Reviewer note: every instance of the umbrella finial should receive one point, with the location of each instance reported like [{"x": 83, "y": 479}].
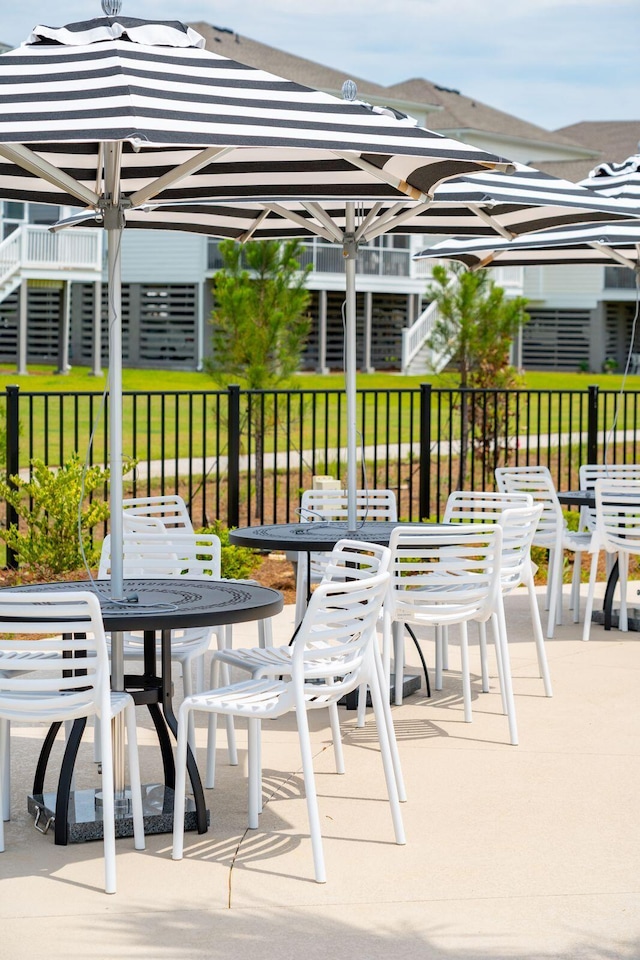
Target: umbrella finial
[
  {"x": 111, "y": 7},
  {"x": 349, "y": 90}
]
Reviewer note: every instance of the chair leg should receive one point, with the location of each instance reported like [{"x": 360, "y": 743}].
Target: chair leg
[
  {"x": 575, "y": 587},
  {"x": 506, "y": 674},
  {"x": 336, "y": 733},
  {"x": 108, "y": 812},
  {"x": 180, "y": 789},
  {"x": 623, "y": 568},
  {"x": 398, "y": 661},
  {"x": 310, "y": 792},
  {"x": 265, "y": 633},
  {"x": 484, "y": 667},
  {"x": 555, "y": 592},
  {"x": 187, "y": 686},
  {"x": 466, "y": 677},
  {"x": 5, "y": 768},
  {"x": 134, "y": 777},
  {"x": 593, "y": 573},
  {"x": 439, "y": 657},
  {"x": 254, "y": 771},
  {"x": 541, "y": 653},
  {"x": 362, "y": 705},
  {"x": 395, "y": 756},
  {"x": 384, "y": 736},
  {"x": 499, "y": 661}
]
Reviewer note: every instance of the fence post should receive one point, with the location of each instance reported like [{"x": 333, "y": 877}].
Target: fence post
[
  {"x": 425, "y": 450},
  {"x": 592, "y": 425},
  {"x": 233, "y": 462},
  {"x": 12, "y": 427}
]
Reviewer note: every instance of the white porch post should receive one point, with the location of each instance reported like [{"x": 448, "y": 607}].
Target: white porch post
[
  {"x": 22, "y": 330},
  {"x": 96, "y": 364},
  {"x": 65, "y": 326},
  {"x": 322, "y": 332}
]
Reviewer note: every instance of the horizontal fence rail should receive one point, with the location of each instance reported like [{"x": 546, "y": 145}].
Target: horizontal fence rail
[{"x": 245, "y": 456}]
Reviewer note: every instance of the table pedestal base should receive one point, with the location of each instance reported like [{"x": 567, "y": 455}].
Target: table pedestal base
[
  {"x": 85, "y": 813},
  {"x": 633, "y": 616},
  {"x": 411, "y": 684}
]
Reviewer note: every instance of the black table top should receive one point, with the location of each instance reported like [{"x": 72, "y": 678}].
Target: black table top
[
  {"x": 577, "y": 498},
  {"x": 174, "y": 603},
  {"x": 316, "y": 535}
]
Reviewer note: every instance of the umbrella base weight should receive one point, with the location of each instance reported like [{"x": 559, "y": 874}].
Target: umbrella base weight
[
  {"x": 411, "y": 684},
  {"x": 85, "y": 813}
]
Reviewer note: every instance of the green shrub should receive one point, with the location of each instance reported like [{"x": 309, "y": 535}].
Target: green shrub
[
  {"x": 48, "y": 504},
  {"x": 237, "y": 563}
]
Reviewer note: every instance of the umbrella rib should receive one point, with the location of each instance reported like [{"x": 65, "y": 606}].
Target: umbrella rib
[
  {"x": 169, "y": 179},
  {"x": 301, "y": 221},
  {"x": 488, "y": 219},
  {"x": 320, "y": 214},
  {"x": 614, "y": 254},
  {"x": 19, "y": 154},
  {"x": 379, "y": 174},
  {"x": 390, "y": 220},
  {"x": 244, "y": 237}
]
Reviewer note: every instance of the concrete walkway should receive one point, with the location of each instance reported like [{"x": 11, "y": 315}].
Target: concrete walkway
[{"x": 529, "y": 852}]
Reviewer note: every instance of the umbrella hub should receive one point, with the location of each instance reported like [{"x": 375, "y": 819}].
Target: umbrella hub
[
  {"x": 350, "y": 246},
  {"x": 113, "y": 214}
]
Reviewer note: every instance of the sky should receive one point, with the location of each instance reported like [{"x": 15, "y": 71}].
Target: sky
[{"x": 551, "y": 62}]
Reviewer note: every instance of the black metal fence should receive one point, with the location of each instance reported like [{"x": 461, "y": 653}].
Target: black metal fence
[{"x": 245, "y": 456}]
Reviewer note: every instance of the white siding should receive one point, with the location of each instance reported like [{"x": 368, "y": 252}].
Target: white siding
[
  {"x": 163, "y": 256},
  {"x": 564, "y": 286}
]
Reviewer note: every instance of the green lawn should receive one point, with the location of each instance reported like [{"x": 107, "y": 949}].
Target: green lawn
[{"x": 41, "y": 378}]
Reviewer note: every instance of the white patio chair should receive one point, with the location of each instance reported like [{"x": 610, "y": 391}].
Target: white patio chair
[
  {"x": 617, "y": 531},
  {"x": 44, "y": 695},
  {"x": 552, "y": 533},
  {"x": 328, "y": 505},
  {"x": 517, "y": 568},
  {"x": 441, "y": 575},
  {"x": 170, "y": 510},
  {"x": 349, "y": 560},
  {"x": 333, "y": 653}
]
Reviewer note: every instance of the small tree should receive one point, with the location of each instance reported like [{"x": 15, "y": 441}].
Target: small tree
[
  {"x": 259, "y": 322},
  {"x": 476, "y": 326}
]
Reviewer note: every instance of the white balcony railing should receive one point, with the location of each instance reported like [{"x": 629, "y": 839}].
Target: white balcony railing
[{"x": 32, "y": 247}]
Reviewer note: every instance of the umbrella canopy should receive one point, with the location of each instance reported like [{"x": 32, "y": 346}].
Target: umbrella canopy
[
  {"x": 483, "y": 204},
  {"x": 619, "y": 181},
  {"x": 588, "y": 243}
]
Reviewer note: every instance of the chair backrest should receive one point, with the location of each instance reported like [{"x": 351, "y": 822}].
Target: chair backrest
[
  {"x": 519, "y": 525},
  {"x": 449, "y": 571},
  {"x": 336, "y": 636},
  {"x": 590, "y": 472},
  {"x": 482, "y": 506},
  {"x": 190, "y": 555},
  {"x": 44, "y": 693},
  {"x": 354, "y": 560},
  {"x": 170, "y": 510},
  {"x": 538, "y": 482},
  {"x": 618, "y": 514},
  {"x": 332, "y": 505}
]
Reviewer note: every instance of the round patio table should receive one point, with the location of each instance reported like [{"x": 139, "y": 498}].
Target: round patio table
[{"x": 152, "y": 606}]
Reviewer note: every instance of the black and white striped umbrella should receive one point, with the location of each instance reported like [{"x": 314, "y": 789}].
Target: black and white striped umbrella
[
  {"x": 619, "y": 181},
  {"x": 604, "y": 243}
]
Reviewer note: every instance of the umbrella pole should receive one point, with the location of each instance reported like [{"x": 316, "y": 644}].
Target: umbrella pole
[{"x": 350, "y": 252}]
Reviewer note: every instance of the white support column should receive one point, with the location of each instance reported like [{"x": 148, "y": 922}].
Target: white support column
[
  {"x": 96, "y": 362},
  {"x": 322, "y": 332},
  {"x": 368, "y": 331},
  {"x": 22, "y": 330},
  {"x": 65, "y": 326}
]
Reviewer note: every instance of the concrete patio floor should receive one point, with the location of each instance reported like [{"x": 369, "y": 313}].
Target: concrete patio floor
[{"x": 530, "y": 851}]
